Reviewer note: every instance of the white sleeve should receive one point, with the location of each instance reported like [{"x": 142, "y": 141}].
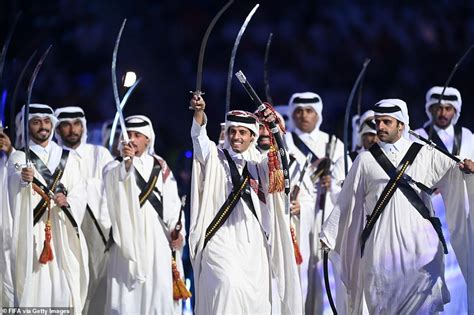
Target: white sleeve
[{"x": 200, "y": 140}]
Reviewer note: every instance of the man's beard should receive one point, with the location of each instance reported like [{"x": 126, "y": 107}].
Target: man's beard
[
  {"x": 71, "y": 142},
  {"x": 265, "y": 145},
  {"x": 39, "y": 137}
]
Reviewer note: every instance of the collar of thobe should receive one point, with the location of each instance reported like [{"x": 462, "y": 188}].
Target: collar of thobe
[
  {"x": 313, "y": 135},
  {"x": 143, "y": 163},
  {"x": 79, "y": 151},
  {"x": 396, "y": 147},
  {"x": 239, "y": 158},
  {"x": 42, "y": 152},
  {"x": 448, "y": 131}
]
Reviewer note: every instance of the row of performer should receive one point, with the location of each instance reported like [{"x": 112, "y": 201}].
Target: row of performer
[{"x": 270, "y": 206}]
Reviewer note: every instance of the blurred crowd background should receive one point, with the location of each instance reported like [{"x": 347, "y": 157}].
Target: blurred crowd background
[{"x": 317, "y": 46}]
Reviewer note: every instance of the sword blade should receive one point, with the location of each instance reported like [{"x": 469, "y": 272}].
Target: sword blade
[
  {"x": 15, "y": 93},
  {"x": 266, "y": 82},
  {"x": 3, "y": 55},
  {"x": 198, "y": 91},
  {"x": 233, "y": 54},
  {"x": 116, "y": 118},
  {"x": 26, "y": 113},
  {"x": 348, "y": 112},
  {"x": 114, "y": 83}
]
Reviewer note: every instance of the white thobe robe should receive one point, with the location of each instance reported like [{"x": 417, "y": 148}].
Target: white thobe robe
[
  {"x": 460, "y": 300},
  {"x": 6, "y": 282},
  {"x": 139, "y": 268},
  {"x": 63, "y": 281},
  {"x": 402, "y": 269},
  {"x": 308, "y": 225},
  {"x": 92, "y": 160},
  {"x": 232, "y": 273}
]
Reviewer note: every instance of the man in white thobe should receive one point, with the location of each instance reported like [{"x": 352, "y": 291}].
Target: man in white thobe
[
  {"x": 367, "y": 135},
  {"x": 62, "y": 279},
  {"x": 383, "y": 227},
  {"x": 6, "y": 289},
  {"x": 305, "y": 111},
  {"x": 239, "y": 232},
  {"x": 144, "y": 207},
  {"x": 447, "y": 133},
  {"x": 71, "y": 134}
]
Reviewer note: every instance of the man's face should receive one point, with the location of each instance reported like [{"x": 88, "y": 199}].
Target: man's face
[
  {"x": 305, "y": 118},
  {"x": 263, "y": 140},
  {"x": 71, "y": 132},
  {"x": 442, "y": 114},
  {"x": 389, "y": 129},
  {"x": 239, "y": 138},
  {"x": 40, "y": 129},
  {"x": 139, "y": 142},
  {"x": 368, "y": 139}
]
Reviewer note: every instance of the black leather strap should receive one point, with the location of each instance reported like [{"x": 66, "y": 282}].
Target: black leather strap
[
  {"x": 51, "y": 180},
  {"x": 147, "y": 189},
  {"x": 97, "y": 225},
  {"x": 303, "y": 147},
  {"x": 397, "y": 180},
  {"x": 237, "y": 179},
  {"x": 239, "y": 184},
  {"x": 456, "y": 143}
]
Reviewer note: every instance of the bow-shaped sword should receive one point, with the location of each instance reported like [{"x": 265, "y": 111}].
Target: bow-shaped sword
[
  {"x": 26, "y": 113},
  {"x": 198, "y": 92},
  {"x": 232, "y": 57},
  {"x": 126, "y": 139},
  {"x": 266, "y": 81},
  {"x": 348, "y": 112}
]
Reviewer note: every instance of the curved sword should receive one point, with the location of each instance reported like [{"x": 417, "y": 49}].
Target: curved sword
[
  {"x": 198, "y": 90},
  {"x": 15, "y": 93},
  {"x": 233, "y": 54},
  {"x": 126, "y": 139},
  {"x": 26, "y": 113},
  {"x": 265, "y": 69},
  {"x": 3, "y": 55},
  {"x": 447, "y": 83},
  {"x": 116, "y": 118},
  {"x": 348, "y": 112}
]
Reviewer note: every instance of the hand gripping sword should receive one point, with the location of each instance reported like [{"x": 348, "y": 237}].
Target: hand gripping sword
[
  {"x": 26, "y": 113},
  {"x": 430, "y": 133},
  {"x": 198, "y": 91},
  {"x": 273, "y": 128},
  {"x": 348, "y": 112}
]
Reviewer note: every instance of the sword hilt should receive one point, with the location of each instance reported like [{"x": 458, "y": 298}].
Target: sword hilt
[{"x": 197, "y": 93}]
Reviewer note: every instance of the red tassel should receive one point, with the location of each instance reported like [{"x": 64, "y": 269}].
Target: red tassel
[
  {"x": 276, "y": 178},
  {"x": 179, "y": 288},
  {"x": 298, "y": 256},
  {"x": 47, "y": 253}
]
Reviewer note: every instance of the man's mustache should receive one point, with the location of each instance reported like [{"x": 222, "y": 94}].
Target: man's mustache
[{"x": 43, "y": 129}]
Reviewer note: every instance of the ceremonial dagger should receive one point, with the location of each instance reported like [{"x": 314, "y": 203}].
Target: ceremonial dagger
[
  {"x": 233, "y": 54},
  {"x": 198, "y": 92},
  {"x": 273, "y": 128},
  {"x": 26, "y": 113},
  {"x": 348, "y": 112}
]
